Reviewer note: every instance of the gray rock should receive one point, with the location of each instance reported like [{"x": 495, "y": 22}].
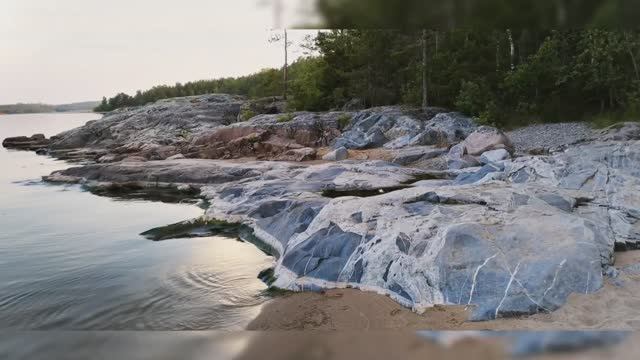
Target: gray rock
[
  {"x": 411, "y": 155},
  {"x": 457, "y": 151},
  {"x": 464, "y": 162},
  {"x": 32, "y": 143},
  {"x": 478, "y": 241},
  {"x": 494, "y": 156},
  {"x": 428, "y": 245},
  {"x": 338, "y": 154},
  {"x": 166, "y": 122},
  {"x": 394, "y": 128},
  {"x": 304, "y": 154},
  {"x": 445, "y": 129},
  {"x": 607, "y": 175},
  {"x": 620, "y": 132},
  {"x": 176, "y": 157},
  {"x": 107, "y": 158}
]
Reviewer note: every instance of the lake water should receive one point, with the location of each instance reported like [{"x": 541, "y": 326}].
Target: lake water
[{"x": 70, "y": 260}]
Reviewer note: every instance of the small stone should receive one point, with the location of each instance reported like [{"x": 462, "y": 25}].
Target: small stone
[
  {"x": 494, "y": 156},
  {"x": 176, "y": 157},
  {"x": 338, "y": 154}
]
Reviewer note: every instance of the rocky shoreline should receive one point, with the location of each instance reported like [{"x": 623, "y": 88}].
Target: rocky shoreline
[{"x": 426, "y": 207}]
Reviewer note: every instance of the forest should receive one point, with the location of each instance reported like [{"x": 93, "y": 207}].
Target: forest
[{"x": 505, "y": 78}]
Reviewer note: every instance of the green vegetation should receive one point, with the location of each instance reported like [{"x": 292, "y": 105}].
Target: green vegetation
[
  {"x": 247, "y": 114},
  {"x": 477, "y": 14},
  {"x": 344, "y": 121},
  {"x": 262, "y": 84},
  {"x": 285, "y": 118},
  {"x": 505, "y": 78}
]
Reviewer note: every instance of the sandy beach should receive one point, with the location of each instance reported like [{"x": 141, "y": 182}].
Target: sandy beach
[{"x": 614, "y": 307}]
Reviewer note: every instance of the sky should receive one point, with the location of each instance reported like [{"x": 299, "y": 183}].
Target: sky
[{"x": 62, "y": 51}]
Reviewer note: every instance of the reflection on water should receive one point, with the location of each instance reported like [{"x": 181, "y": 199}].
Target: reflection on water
[{"x": 73, "y": 260}]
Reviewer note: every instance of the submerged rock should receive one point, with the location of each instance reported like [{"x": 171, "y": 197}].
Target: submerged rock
[
  {"x": 192, "y": 228},
  {"x": 33, "y": 143}
]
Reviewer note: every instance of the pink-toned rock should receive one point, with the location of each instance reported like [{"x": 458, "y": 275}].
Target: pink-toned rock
[{"x": 485, "y": 139}]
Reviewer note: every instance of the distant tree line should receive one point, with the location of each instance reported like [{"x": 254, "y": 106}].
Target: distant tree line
[
  {"x": 22, "y": 108},
  {"x": 502, "y": 77},
  {"x": 267, "y": 82}
]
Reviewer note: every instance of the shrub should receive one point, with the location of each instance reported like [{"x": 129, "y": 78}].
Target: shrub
[
  {"x": 247, "y": 114},
  {"x": 473, "y": 98},
  {"x": 285, "y": 118},
  {"x": 343, "y": 121}
]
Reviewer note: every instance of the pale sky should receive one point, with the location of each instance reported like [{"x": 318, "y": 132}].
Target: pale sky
[{"x": 60, "y": 51}]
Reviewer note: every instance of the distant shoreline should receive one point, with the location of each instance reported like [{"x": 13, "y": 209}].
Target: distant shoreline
[
  {"x": 20, "y": 108},
  {"x": 53, "y": 112}
]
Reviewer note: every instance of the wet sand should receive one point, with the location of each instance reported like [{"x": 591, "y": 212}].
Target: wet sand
[{"x": 615, "y": 307}]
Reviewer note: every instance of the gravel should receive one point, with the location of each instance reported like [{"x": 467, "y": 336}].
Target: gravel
[{"x": 544, "y": 137}]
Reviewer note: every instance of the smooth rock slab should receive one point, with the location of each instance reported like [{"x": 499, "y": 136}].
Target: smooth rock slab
[
  {"x": 471, "y": 245},
  {"x": 510, "y": 239}
]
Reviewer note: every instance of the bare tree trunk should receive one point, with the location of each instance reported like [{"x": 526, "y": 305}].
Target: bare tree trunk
[
  {"x": 633, "y": 58},
  {"x": 497, "y": 52},
  {"x": 561, "y": 14},
  {"x": 512, "y": 48},
  {"x": 286, "y": 64},
  {"x": 425, "y": 102}
]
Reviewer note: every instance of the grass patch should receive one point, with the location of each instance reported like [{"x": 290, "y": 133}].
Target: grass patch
[
  {"x": 604, "y": 120},
  {"x": 284, "y": 118},
  {"x": 247, "y": 114}
]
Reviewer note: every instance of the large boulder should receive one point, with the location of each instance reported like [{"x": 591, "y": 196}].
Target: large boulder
[
  {"x": 395, "y": 128},
  {"x": 485, "y": 139},
  {"x": 445, "y": 129}
]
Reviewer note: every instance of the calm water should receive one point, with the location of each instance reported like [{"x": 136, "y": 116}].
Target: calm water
[{"x": 72, "y": 260}]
